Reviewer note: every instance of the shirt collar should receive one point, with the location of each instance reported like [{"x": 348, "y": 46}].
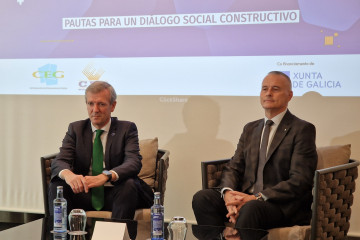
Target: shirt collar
[
  {"x": 106, "y": 128},
  {"x": 277, "y": 119}
]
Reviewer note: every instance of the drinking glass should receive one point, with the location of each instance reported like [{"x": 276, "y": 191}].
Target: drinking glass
[
  {"x": 77, "y": 237},
  {"x": 177, "y": 228},
  {"x": 77, "y": 222}
]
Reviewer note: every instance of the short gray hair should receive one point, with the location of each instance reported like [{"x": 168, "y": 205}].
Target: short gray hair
[
  {"x": 282, "y": 74},
  {"x": 99, "y": 86}
]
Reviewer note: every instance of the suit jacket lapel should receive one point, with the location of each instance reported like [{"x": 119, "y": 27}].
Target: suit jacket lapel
[
  {"x": 281, "y": 132},
  {"x": 110, "y": 137},
  {"x": 256, "y": 145},
  {"x": 88, "y": 142}
]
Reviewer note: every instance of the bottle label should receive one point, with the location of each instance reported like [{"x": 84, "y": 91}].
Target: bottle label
[
  {"x": 58, "y": 217},
  {"x": 157, "y": 223}
]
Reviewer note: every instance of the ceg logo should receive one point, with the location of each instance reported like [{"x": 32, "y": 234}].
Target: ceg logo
[{"x": 48, "y": 74}]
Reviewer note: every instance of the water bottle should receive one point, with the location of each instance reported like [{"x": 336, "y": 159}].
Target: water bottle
[
  {"x": 60, "y": 211},
  {"x": 157, "y": 219}
]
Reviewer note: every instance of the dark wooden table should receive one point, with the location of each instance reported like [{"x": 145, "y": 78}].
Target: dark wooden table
[{"x": 138, "y": 230}]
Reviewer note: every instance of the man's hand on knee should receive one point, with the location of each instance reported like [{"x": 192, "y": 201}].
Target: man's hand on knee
[
  {"x": 96, "y": 181},
  {"x": 233, "y": 214},
  {"x": 77, "y": 182},
  {"x": 239, "y": 199},
  {"x": 233, "y": 203}
]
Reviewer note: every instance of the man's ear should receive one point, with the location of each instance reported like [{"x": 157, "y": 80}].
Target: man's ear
[
  {"x": 113, "y": 105},
  {"x": 290, "y": 95}
]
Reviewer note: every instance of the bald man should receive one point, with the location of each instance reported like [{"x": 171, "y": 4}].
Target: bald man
[{"x": 272, "y": 192}]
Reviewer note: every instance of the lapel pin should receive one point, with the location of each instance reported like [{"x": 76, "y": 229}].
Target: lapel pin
[{"x": 112, "y": 134}]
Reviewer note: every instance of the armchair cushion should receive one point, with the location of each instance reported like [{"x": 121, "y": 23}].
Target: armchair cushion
[
  {"x": 331, "y": 156},
  {"x": 148, "y": 150}
]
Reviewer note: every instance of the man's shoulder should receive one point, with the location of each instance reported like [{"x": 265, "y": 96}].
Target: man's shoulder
[
  {"x": 298, "y": 121},
  {"x": 254, "y": 123},
  {"x": 80, "y": 123},
  {"x": 115, "y": 121},
  {"x": 122, "y": 125},
  {"x": 288, "y": 119}
]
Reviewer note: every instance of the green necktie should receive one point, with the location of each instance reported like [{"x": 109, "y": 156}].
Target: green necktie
[{"x": 97, "y": 194}]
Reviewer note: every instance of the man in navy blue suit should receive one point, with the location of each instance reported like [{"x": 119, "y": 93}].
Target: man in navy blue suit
[{"x": 124, "y": 192}]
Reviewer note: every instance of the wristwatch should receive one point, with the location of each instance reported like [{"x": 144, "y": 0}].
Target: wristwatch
[
  {"x": 108, "y": 174},
  {"x": 259, "y": 197}
]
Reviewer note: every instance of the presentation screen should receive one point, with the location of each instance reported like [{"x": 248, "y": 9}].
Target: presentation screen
[{"x": 179, "y": 47}]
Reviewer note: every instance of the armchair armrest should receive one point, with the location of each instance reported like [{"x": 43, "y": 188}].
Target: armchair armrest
[
  {"x": 211, "y": 172},
  {"x": 162, "y": 165},
  {"x": 333, "y": 197}
]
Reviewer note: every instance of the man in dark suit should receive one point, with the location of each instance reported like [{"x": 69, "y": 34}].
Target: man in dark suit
[
  {"x": 120, "y": 162},
  {"x": 267, "y": 193}
]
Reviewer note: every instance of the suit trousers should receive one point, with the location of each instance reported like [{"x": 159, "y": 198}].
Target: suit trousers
[
  {"x": 209, "y": 209},
  {"x": 121, "y": 199}
]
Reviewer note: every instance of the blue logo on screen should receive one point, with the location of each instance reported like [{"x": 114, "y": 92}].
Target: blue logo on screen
[{"x": 48, "y": 74}]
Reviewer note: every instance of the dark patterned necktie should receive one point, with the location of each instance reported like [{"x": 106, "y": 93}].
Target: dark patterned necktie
[
  {"x": 262, "y": 157},
  {"x": 97, "y": 194}
]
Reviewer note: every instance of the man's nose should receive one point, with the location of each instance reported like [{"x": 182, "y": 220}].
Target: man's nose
[
  {"x": 268, "y": 92},
  {"x": 96, "y": 108}
]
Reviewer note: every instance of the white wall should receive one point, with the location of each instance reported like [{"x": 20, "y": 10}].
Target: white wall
[{"x": 203, "y": 128}]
